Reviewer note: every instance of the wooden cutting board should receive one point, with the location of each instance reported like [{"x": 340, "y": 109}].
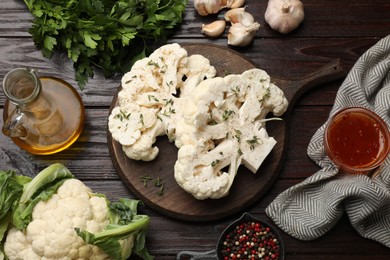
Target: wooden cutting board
[{"x": 247, "y": 187}]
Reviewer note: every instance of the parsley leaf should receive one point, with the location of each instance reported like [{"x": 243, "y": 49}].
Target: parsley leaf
[{"x": 105, "y": 34}]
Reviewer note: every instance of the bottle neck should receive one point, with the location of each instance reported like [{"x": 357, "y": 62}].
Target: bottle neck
[{"x": 21, "y": 86}]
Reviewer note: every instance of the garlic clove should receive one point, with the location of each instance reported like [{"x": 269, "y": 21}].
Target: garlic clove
[
  {"x": 206, "y": 7},
  {"x": 225, "y": 3},
  {"x": 233, "y": 15},
  {"x": 237, "y": 3},
  {"x": 239, "y": 15},
  {"x": 284, "y": 15},
  {"x": 231, "y": 3},
  {"x": 240, "y": 35},
  {"x": 201, "y": 9},
  {"x": 214, "y": 29}
]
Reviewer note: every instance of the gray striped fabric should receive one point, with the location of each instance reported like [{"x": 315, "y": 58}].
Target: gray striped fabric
[{"x": 311, "y": 208}]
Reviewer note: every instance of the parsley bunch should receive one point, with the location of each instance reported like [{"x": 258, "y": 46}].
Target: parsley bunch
[{"x": 108, "y": 34}]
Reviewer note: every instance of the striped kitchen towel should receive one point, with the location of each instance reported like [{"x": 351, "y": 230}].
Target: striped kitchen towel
[{"x": 311, "y": 208}]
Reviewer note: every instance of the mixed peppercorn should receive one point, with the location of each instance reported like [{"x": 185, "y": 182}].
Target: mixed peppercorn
[{"x": 250, "y": 240}]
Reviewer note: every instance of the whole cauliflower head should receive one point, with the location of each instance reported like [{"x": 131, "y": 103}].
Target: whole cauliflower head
[{"x": 51, "y": 233}]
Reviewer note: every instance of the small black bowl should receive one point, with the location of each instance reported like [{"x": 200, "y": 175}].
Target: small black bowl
[{"x": 264, "y": 231}]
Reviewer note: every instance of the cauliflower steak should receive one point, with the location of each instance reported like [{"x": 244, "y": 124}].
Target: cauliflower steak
[
  {"x": 148, "y": 100},
  {"x": 223, "y": 124}
]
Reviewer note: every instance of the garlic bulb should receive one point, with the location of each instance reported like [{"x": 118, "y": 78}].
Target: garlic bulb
[
  {"x": 214, "y": 29},
  {"x": 284, "y": 15},
  {"x": 206, "y": 7},
  {"x": 241, "y": 35}
]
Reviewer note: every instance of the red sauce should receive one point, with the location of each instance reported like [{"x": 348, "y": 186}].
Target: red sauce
[{"x": 357, "y": 138}]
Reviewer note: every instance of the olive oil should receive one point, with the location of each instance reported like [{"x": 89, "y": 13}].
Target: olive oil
[{"x": 51, "y": 122}]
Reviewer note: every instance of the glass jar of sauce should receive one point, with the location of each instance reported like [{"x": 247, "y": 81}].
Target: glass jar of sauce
[{"x": 357, "y": 140}]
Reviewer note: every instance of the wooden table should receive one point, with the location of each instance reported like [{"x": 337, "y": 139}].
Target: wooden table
[{"x": 332, "y": 29}]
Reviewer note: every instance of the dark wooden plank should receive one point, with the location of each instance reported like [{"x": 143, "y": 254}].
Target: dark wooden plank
[
  {"x": 20, "y": 52},
  {"x": 332, "y": 29},
  {"x": 90, "y": 153},
  {"x": 181, "y": 234},
  {"x": 89, "y": 157},
  {"x": 293, "y": 58},
  {"x": 300, "y": 56},
  {"x": 322, "y": 19}
]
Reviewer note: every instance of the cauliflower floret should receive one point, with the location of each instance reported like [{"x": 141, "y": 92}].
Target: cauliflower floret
[
  {"x": 201, "y": 173},
  {"x": 223, "y": 125},
  {"x": 273, "y": 98},
  {"x": 143, "y": 148},
  {"x": 168, "y": 60},
  {"x": 51, "y": 234},
  {"x": 126, "y": 127},
  {"x": 196, "y": 69}
]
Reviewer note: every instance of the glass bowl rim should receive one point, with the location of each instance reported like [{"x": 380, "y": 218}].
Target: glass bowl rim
[{"x": 383, "y": 127}]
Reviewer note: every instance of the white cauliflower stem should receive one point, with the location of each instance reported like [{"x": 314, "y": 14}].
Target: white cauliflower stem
[{"x": 51, "y": 234}]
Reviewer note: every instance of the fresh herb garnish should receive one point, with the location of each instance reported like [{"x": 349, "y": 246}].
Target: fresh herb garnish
[
  {"x": 153, "y": 63},
  {"x": 158, "y": 182},
  {"x": 145, "y": 179},
  {"x": 226, "y": 114},
  {"x": 235, "y": 90},
  {"x": 122, "y": 115},
  {"x": 151, "y": 97},
  {"x": 266, "y": 95},
  {"x": 238, "y": 135},
  {"x": 253, "y": 141},
  {"x": 168, "y": 112},
  {"x": 215, "y": 163},
  {"x": 168, "y": 101}
]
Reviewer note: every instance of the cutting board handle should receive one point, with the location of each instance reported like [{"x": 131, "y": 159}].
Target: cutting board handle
[{"x": 295, "y": 88}]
